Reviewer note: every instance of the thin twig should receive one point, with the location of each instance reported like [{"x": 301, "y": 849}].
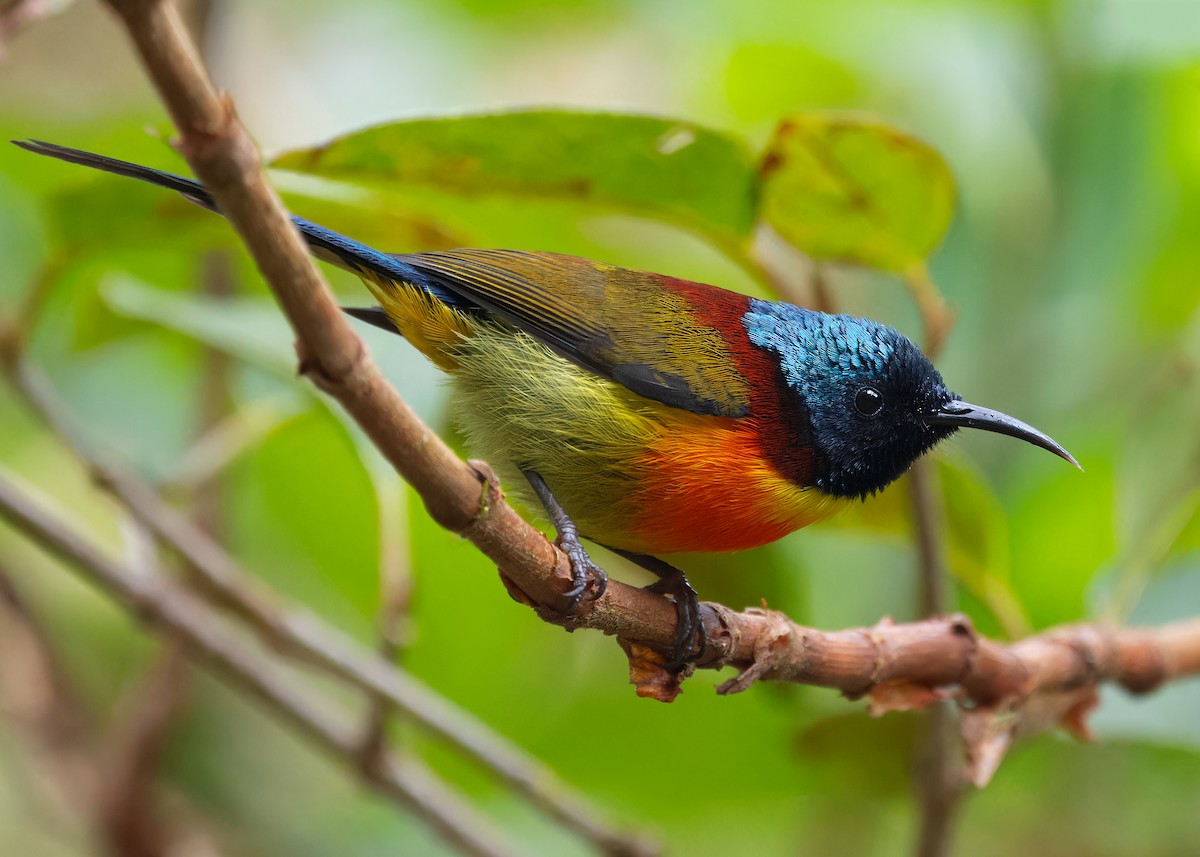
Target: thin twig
[
  {"x": 936, "y": 316},
  {"x": 940, "y": 778},
  {"x": 899, "y": 666},
  {"x": 129, "y": 814},
  {"x": 45, "y": 710},
  {"x": 395, "y": 591},
  {"x": 302, "y": 634},
  {"x": 64, "y": 743},
  {"x": 822, "y": 298},
  {"x": 465, "y": 498},
  {"x": 130, "y": 822},
  {"x": 234, "y": 435},
  {"x": 213, "y": 401},
  {"x": 165, "y": 605}
]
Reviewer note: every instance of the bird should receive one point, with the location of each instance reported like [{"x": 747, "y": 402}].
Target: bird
[{"x": 648, "y": 414}]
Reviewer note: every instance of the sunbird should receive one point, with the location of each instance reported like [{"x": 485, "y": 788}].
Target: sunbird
[{"x": 649, "y": 414}]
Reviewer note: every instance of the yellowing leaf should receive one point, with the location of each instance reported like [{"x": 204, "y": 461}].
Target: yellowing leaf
[
  {"x": 661, "y": 168},
  {"x": 855, "y": 190}
]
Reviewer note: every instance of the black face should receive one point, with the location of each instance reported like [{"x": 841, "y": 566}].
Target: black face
[{"x": 877, "y": 421}]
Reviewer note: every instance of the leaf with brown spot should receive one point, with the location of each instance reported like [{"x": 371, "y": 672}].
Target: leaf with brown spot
[
  {"x": 853, "y": 189},
  {"x": 654, "y": 167}
]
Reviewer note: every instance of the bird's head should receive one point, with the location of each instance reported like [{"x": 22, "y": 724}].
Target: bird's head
[{"x": 875, "y": 403}]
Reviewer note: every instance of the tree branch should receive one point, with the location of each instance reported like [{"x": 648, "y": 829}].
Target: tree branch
[
  {"x": 131, "y": 817},
  {"x": 463, "y": 498},
  {"x": 898, "y": 665},
  {"x": 393, "y": 619},
  {"x": 303, "y": 635},
  {"x": 940, "y": 781},
  {"x": 164, "y": 604},
  {"x": 940, "y": 777},
  {"x": 45, "y": 711},
  {"x": 1012, "y": 691}
]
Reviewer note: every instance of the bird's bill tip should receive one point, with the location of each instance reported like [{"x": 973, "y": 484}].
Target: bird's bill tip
[{"x": 965, "y": 415}]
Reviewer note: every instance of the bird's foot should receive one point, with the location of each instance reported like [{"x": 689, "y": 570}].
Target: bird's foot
[
  {"x": 690, "y": 640},
  {"x": 587, "y": 578}
]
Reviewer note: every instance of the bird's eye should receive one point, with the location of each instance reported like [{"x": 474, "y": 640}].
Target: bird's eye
[{"x": 868, "y": 401}]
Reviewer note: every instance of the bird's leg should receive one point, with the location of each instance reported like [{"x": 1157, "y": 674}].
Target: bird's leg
[
  {"x": 673, "y": 582},
  {"x": 583, "y": 570}
]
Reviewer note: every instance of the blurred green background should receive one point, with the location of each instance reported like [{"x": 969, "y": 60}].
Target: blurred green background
[{"x": 1073, "y": 131}]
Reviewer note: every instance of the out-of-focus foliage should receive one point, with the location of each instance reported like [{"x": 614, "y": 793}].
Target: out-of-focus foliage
[
  {"x": 637, "y": 163},
  {"x": 1071, "y": 130},
  {"x": 853, "y": 190}
]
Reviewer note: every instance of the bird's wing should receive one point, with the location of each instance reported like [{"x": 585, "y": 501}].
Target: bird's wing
[{"x": 669, "y": 340}]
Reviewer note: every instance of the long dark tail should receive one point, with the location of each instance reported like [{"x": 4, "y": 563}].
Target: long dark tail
[{"x": 326, "y": 244}]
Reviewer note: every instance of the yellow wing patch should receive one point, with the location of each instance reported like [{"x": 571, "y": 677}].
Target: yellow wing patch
[{"x": 433, "y": 328}]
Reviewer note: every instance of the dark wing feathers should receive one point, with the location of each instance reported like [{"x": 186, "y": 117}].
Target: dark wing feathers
[
  {"x": 519, "y": 288},
  {"x": 628, "y": 326}
]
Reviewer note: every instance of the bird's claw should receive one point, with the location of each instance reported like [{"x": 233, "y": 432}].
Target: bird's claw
[
  {"x": 690, "y": 641},
  {"x": 584, "y": 572},
  {"x": 587, "y": 578}
]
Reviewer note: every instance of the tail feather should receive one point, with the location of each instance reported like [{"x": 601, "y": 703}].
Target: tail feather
[
  {"x": 327, "y": 245},
  {"x": 189, "y": 188}
]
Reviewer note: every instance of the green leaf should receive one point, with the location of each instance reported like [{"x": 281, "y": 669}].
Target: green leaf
[
  {"x": 302, "y": 513},
  {"x": 249, "y": 328},
  {"x": 660, "y": 168},
  {"x": 150, "y": 421},
  {"x": 1062, "y": 534},
  {"x": 108, "y": 215},
  {"x": 855, "y": 190},
  {"x": 978, "y": 550},
  {"x": 252, "y": 330}
]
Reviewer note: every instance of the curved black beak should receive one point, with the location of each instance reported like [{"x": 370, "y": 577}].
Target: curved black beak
[{"x": 965, "y": 415}]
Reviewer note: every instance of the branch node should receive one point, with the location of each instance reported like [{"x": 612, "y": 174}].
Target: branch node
[
  {"x": 217, "y": 139},
  {"x": 769, "y": 648},
  {"x": 875, "y": 637},
  {"x": 372, "y": 756},
  {"x": 1141, "y": 666},
  {"x": 489, "y": 493},
  {"x": 960, "y": 625},
  {"x": 357, "y": 368}
]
